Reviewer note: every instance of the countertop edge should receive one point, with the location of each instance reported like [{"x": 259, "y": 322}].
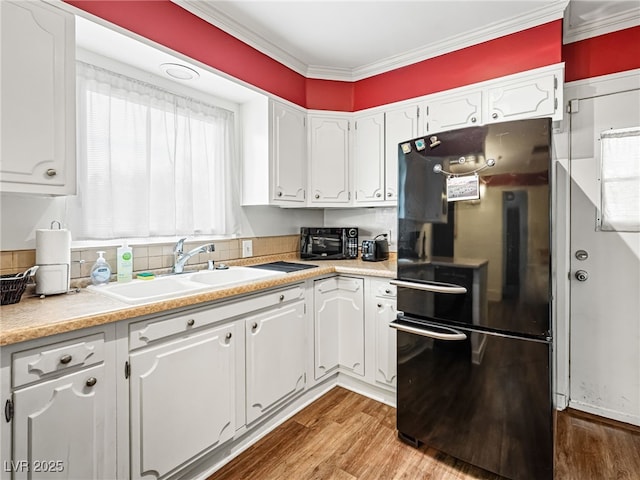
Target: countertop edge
[{"x": 110, "y": 311}]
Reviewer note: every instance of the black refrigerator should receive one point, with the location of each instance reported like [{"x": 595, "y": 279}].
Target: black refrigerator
[{"x": 474, "y": 341}]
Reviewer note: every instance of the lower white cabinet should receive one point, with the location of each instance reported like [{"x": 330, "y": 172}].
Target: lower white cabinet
[
  {"x": 276, "y": 349},
  {"x": 383, "y": 302},
  {"x": 59, "y": 410},
  {"x": 339, "y": 325},
  {"x": 182, "y": 400},
  {"x": 58, "y": 428}
]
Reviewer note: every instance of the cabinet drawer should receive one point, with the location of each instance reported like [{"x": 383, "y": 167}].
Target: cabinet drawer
[
  {"x": 146, "y": 332},
  {"x": 39, "y": 363}
]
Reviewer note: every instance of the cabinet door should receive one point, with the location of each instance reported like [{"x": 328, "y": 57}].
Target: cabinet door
[
  {"x": 38, "y": 99},
  {"x": 339, "y": 325},
  {"x": 534, "y": 97},
  {"x": 276, "y": 346},
  {"x": 288, "y": 154},
  {"x": 400, "y": 125},
  {"x": 59, "y": 428},
  {"x": 385, "y": 342},
  {"x": 182, "y": 400},
  {"x": 368, "y": 159},
  {"x": 454, "y": 111},
  {"x": 329, "y": 160}
]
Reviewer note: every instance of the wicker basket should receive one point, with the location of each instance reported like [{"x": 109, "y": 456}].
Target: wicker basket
[{"x": 13, "y": 286}]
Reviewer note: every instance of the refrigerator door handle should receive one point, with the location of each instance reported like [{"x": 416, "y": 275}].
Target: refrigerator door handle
[
  {"x": 456, "y": 335},
  {"x": 430, "y": 287}
]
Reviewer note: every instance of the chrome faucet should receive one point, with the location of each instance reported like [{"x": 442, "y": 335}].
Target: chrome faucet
[{"x": 180, "y": 258}]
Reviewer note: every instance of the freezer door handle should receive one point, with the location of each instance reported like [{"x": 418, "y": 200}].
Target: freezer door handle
[
  {"x": 454, "y": 336},
  {"x": 430, "y": 287}
]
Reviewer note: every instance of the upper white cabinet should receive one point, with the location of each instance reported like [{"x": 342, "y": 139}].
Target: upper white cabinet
[
  {"x": 525, "y": 98},
  {"x": 288, "y": 137},
  {"x": 38, "y": 99},
  {"x": 369, "y": 159},
  {"x": 454, "y": 111},
  {"x": 329, "y": 160},
  {"x": 523, "y": 95},
  {"x": 401, "y": 124}
]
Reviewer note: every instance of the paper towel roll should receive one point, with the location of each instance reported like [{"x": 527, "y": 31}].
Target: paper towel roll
[{"x": 53, "y": 247}]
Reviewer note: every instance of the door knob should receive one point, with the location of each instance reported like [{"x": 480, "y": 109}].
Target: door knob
[{"x": 582, "y": 276}]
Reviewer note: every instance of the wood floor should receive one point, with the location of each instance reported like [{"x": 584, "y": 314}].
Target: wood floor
[{"x": 345, "y": 436}]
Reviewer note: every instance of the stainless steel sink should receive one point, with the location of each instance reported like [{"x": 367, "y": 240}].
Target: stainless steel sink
[{"x": 173, "y": 286}]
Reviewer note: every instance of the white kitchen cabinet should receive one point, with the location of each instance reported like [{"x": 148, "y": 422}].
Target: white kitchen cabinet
[
  {"x": 288, "y": 160},
  {"x": 452, "y": 111},
  {"x": 532, "y": 96},
  {"x": 61, "y": 409},
  {"x": 383, "y": 302},
  {"x": 276, "y": 347},
  {"x": 329, "y": 160},
  {"x": 38, "y": 99},
  {"x": 401, "y": 124},
  {"x": 369, "y": 159},
  {"x": 182, "y": 399},
  {"x": 339, "y": 325}
]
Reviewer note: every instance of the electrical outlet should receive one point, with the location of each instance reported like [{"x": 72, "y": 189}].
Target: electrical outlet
[{"x": 247, "y": 248}]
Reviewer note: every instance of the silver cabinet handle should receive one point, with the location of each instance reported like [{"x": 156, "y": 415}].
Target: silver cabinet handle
[
  {"x": 317, "y": 195},
  {"x": 430, "y": 287},
  {"x": 228, "y": 336},
  {"x": 387, "y": 291},
  {"x": 494, "y": 115},
  {"x": 65, "y": 359},
  {"x": 473, "y": 119},
  {"x": 378, "y": 195},
  {"x": 279, "y": 194},
  {"x": 51, "y": 172},
  {"x": 281, "y": 298},
  {"x": 389, "y": 194},
  {"x": 91, "y": 381},
  {"x": 191, "y": 322},
  {"x": 455, "y": 336},
  {"x": 379, "y": 305},
  {"x": 254, "y": 327}
]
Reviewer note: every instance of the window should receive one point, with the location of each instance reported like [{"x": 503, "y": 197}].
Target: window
[
  {"x": 151, "y": 163},
  {"x": 620, "y": 180}
]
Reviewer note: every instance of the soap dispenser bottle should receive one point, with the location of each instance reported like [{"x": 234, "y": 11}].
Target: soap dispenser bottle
[
  {"x": 124, "y": 263},
  {"x": 101, "y": 271}
]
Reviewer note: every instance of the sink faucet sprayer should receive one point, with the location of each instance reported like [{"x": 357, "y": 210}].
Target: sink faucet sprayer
[{"x": 180, "y": 258}]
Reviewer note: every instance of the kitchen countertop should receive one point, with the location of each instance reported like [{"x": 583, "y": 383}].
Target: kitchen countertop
[{"x": 34, "y": 317}]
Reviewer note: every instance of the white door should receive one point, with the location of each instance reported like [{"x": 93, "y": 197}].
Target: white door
[
  {"x": 276, "y": 353},
  {"x": 605, "y": 301}
]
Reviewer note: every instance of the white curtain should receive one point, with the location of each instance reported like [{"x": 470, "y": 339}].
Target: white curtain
[
  {"x": 150, "y": 163},
  {"x": 620, "y": 180}
]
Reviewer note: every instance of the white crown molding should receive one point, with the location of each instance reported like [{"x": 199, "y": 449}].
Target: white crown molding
[
  {"x": 601, "y": 26},
  {"x": 483, "y": 33},
  {"x": 215, "y": 17}
]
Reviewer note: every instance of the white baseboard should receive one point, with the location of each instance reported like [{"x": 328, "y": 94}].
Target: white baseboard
[{"x": 605, "y": 412}]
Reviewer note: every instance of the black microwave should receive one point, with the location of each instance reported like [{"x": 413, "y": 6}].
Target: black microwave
[{"x": 326, "y": 243}]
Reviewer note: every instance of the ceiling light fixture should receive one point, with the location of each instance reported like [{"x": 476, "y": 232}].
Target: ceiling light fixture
[{"x": 179, "y": 72}]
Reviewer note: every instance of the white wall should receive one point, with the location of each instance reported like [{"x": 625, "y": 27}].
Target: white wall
[
  {"x": 370, "y": 221},
  {"x": 21, "y": 215}
]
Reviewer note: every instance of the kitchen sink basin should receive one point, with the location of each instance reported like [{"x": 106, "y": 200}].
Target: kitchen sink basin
[
  {"x": 233, "y": 276},
  {"x": 173, "y": 286}
]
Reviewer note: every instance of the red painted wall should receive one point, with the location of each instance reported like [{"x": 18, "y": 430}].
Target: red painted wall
[
  {"x": 611, "y": 53},
  {"x": 518, "y": 52},
  {"x": 168, "y": 24}
]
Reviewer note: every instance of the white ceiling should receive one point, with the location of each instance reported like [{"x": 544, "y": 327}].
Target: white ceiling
[{"x": 354, "y": 39}]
